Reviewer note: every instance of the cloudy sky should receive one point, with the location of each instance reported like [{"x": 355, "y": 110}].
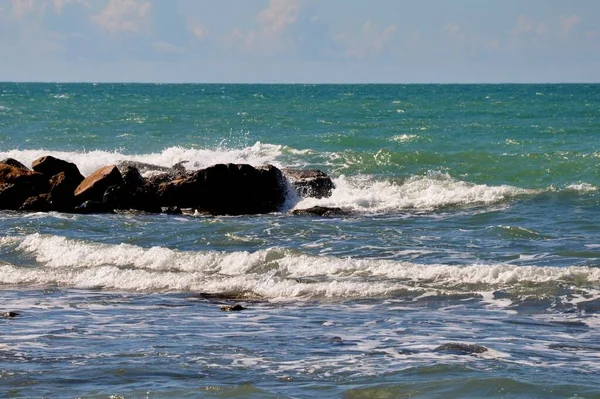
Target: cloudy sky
[{"x": 288, "y": 41}]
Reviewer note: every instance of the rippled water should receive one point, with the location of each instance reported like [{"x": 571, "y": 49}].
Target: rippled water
[{"x": 473, "y": 221}]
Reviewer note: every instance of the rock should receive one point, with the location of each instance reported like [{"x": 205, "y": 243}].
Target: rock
[
  {"x": 227, "y": 189},
  {"x": 460, "y": 349},
  {"x": 18, "y": 184},
  {"x": 92, "y": 188},
  {"x": 37, "y": 203},
  {"x": 132, "y": 178},
  {"x": 232, "y": 308},
  {"x": 10, "y": 315},
  {"x": 172, "y": 210},
  {"x": 592, "y": 306},
  {"x": 310, "y": 183},
  {"x": 62, "y": 187},
  {"x": 89, "y": 207},
  {"x": 13, "y": 162},
  {"x": 142, "y": 166},
  {"x": 320, "y": 211},
  {"x": 14, "y": 175},
  {"x": 50, "y": 166}
]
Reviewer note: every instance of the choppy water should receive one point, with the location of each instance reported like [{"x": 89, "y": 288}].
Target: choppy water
[{"x": 475, "y": 220}]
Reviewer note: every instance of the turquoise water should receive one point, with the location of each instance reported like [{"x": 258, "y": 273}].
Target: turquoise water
[{"x": 474, "y": 219}]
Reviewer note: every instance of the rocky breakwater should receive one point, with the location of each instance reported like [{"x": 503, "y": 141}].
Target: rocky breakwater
[{"x": 53, "y": 184}]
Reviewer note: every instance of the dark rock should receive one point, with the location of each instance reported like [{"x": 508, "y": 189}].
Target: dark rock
[
  {"x": 232, "y": 308},
  {"x": 592, "y": 306},
  {"x": 142, "y": 166},
  {"x": 460, "y": 349},
  {"x": 13, "y": 162},
  {"x": 17, "y": 185},
  {"x": 310, "y": 183},
  {"x": 50, "y": 166},
  {"x": 37, "y": 203},
  {"x": 172, "y": 210},
  {"x": 115, "y": 197},
  {"x": 10, "y": 315},
  {"x": 321, "y": 211},
  {"x": 15, "y": 175},
  {"x": 62, "y": 187},
  {"x": 89, "y": 207},
  {"x": 93, "y": 187},
  {"x": 179, "y": 167},
  {"x": 132, "y": 178},
  {"x": 144, "y": 198},
  {"x": 227, "y": 189}
]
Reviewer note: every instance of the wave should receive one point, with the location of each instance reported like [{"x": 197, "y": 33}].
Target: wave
[
  {"x": 435, "y": 190},
  {"x": 271, "y": 273},
  {"x": 89, "y": 161}
]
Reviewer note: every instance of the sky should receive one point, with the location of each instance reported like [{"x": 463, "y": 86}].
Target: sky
[{"x": 300, "y": 41}]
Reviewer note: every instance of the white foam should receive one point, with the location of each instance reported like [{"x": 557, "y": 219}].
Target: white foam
[
  {"x": 89, "y": 161},
  {"x": 270, "y": 273},
  {"x": 364, "y": 194}
]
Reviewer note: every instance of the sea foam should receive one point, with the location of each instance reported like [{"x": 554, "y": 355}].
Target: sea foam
[
  {"x": 364, "y": 194},
  {"x": 89, "y": 161},
  {"x": 269, "y": 273}
]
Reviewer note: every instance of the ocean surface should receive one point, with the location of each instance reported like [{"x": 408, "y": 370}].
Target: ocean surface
[{"x": 475, "y": 222}]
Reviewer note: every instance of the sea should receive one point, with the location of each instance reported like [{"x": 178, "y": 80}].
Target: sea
[{"x": 467, "y": 266}]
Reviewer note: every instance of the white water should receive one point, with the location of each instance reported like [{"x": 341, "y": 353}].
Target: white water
[
  {"x": 271, "y": 273},
  {"x": 361, "y": 194}
]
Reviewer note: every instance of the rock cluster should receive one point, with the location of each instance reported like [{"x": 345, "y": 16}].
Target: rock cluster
[{"x": 53, "y": 184}]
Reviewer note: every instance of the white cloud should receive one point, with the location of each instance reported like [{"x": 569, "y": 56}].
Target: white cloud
[
  {"x": 164, "y": 47},
  {"x": 371, "y": 40},
  {"x": 60, "y": 4},
  {"x": 199, "y": 31},
  {"x": 22, "y": 7},
  {"x": 273, "y": 34},
  {"x": 278, "y": 15},
  {"x": 567, "y": 24},
  {"x": 124, "y": 15}
]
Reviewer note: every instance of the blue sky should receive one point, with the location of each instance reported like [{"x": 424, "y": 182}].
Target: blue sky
[{"x": 298, "y": 41}]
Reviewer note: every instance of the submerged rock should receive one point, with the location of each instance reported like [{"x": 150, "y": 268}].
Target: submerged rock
[
  {"x": 310, "y": 183},
  {"x": 232, "y": 308},
  {"x": 321, "y": 211},
  {"x": 461, "y": 349}
]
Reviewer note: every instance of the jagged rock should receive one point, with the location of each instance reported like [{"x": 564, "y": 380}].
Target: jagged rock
[
  {"x": 89, "y": 207},
  {"x": 62, "y": 187},
  {"x": 320, "y": 211},
  {"x": 15, "y": 175},
  {"x": 461, "y": 349},
  {"x": 13, "y": 162},
  {"x": 310, "y": 183},
  {"x": 142, "y": 166},
  {"x": 37, "y": 203},
  {"x": 227, "y": 189},
  {"x": 18, "y": 184},
  {"x": 50, "y": 166},
  {"x": 132, "y": 178},
  {"x": 93, "y": 187}
]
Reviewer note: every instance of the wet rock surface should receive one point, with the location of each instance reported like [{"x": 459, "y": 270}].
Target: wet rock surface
[{"x": 221, "y": 189}]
